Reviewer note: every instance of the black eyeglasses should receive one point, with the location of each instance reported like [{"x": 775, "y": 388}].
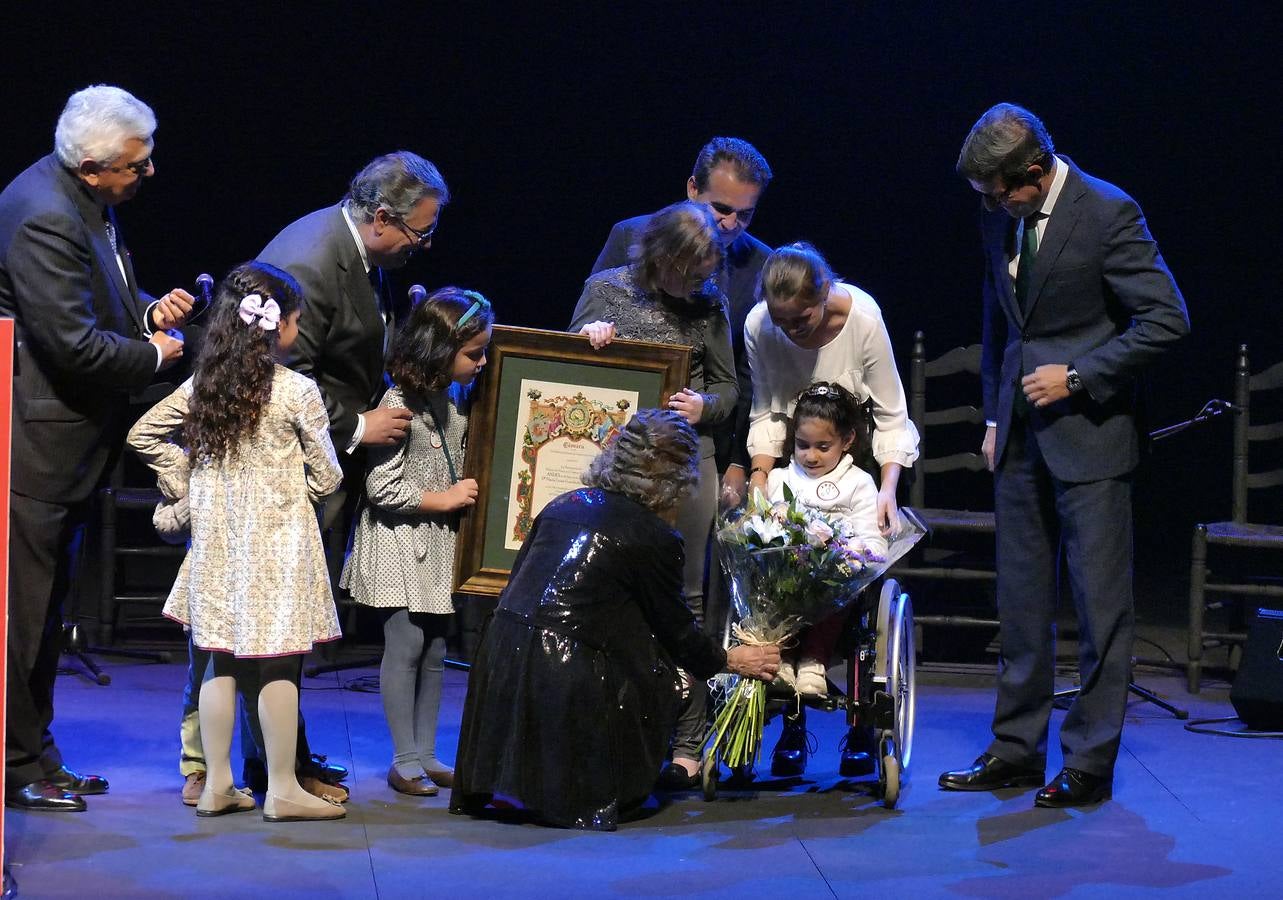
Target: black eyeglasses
[
  {"x": 138, "y": 168},
  {"x": 726, "y": 211},
  {"x": 422, "y": 238}
]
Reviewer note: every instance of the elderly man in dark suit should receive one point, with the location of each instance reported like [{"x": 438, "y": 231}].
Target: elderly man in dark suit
[
  {"x": 1077, "y": 301},
  {"x": 340, "y": 255},
  {"x": 86, "y": 339}
]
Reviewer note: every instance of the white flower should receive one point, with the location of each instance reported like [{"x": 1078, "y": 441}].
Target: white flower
[
  {"x": 818, "y": 532},
  {"x": 766, "y": 529}
]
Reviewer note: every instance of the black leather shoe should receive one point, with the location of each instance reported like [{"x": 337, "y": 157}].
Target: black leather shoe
[
  {"x": 674, "y": 778},
  {"x": 858, "y": 748},
  {"x": 1073, "y": 787},
  {"x": 44, "y": 796},
  {"x": 989, "y": 773},
  {"x": 74, "y": 783},
  {"x": 788, "y": 759},
  {"x": 328, "y": 772}
]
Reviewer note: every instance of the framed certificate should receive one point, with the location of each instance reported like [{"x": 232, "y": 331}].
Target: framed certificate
[{"x": 546, "y": 405}]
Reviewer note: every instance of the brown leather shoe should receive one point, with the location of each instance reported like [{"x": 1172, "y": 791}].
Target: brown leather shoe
[
  {"x": 989, "y": 773},
  {"x": 192, "y": 788},
  {"x": 419, "y": 786},
  {"x": 442, "y": 777},
  {"x": 335, "y": 793}
]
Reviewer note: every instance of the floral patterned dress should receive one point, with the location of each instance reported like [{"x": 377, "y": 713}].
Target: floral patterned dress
[{"x": 254, "y": 582}]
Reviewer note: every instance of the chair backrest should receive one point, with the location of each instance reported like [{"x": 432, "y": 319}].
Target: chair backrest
[
  {"x": 1246, "y": 387},
  {"x": 958, "y": 361}
]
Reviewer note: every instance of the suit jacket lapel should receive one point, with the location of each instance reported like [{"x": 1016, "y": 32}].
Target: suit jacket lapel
[
  {"x": 1055, "y": 236},
  {"x": 1001, "y": 227},
  {"x": 126, "y": 290}
]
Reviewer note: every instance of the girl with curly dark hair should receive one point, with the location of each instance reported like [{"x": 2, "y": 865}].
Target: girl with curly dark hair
[
  {"x": 403, "y": 548},
  {"x": 247, "y": 441}
]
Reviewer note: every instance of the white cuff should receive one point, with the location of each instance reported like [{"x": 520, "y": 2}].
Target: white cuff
[
  {"x": 357, "y": 434},
  {"x": 147, "y": 319},
  {"x": 160, "y": 356}
]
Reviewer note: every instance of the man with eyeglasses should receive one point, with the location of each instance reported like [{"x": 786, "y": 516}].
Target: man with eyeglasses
[
  {"x": 340, "y": 255},
  {"x": 1077, "y": 302},
  {"x": 87, "y": 338},
  {"x": 729, "y": 177}
]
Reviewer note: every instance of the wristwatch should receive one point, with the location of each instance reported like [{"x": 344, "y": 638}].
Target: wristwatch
[{"x": 1073, "y": 381}]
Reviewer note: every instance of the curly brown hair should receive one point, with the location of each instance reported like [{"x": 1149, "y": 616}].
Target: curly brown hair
[
  {"x": 425, "y": 345},
  {"x": 233, "y": 380},
  {"x": 654, "y": 460}
]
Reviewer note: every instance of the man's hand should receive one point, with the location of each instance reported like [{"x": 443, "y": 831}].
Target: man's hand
[
  {"x": 1046, "y": 385},
  {"x": 988, "y": 443},
  {"x": 734, "y": 487},
  {"x": 172, "y": 310},
  {"x": 171, "y": 349},
  {"x": 385, "y": 426},
  {"x": 599, "y": 334},
  {"x": 688, "y": 404}
]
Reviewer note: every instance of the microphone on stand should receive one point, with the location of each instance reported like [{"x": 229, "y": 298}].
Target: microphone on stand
[{"x": 418, "y": 293}]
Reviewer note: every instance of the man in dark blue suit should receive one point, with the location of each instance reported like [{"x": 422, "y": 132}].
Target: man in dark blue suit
[
  {"x": 1077, "y": 301},
  {"x": 87, "y": 339}
]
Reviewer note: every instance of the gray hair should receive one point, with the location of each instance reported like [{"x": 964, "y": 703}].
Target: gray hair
[
  {"x": 654, "y": 461},
  {"x": 394, "y": 182},
  {"x": 96, "y": 123},
  {"x": 1003, "y": 144}
]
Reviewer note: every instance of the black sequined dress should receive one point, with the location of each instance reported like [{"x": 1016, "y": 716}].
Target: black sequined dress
[{"x": 573, "y": 694}]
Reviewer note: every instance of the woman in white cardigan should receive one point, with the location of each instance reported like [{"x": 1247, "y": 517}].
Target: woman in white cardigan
[{"x": 809, "y": 327}]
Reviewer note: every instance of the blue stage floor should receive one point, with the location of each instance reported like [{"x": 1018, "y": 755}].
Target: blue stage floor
[{"x": 1192, "y": 816}]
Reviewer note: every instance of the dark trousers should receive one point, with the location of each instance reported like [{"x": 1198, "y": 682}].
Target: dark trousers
[
  {"x": 44, "y": 544},
  {"x": 1038, "y": 516}
]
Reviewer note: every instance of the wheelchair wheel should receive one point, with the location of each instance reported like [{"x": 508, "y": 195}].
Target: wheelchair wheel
[
  {"x": 888, "y": 774},
  {"x": 896, "y": 629},
  {"x": 709, "y": 774}
]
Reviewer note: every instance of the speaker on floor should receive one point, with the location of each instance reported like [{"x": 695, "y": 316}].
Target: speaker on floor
[{"x": 1257, "y": 693}]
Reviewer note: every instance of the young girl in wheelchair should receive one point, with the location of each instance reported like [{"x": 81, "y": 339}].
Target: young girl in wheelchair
[{"x": 822, "y": 475}]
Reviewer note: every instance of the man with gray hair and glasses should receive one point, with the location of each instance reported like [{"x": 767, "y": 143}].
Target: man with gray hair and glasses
[
  {"x": 340, "y": 254},
  {"x": 1077, "y": 302},
  {"x": 87, "y": 338}
]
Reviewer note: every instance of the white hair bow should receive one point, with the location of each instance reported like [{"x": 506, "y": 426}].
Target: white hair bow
[{"x": 266, "y": 314}]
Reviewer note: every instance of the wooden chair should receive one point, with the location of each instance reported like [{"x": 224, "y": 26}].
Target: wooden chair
[
  {"x": 1238, "y": 533},
  {"x": 944, "y": 556}
]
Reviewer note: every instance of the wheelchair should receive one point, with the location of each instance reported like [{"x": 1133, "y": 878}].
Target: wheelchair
[{"x": 878, "y": 690}]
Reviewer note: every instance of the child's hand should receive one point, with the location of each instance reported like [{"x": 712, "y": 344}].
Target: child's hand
[
  {"x": 688, "y": 404},
  {"x": 460, "y": 495},
  {"x": 599, "y": 334}
]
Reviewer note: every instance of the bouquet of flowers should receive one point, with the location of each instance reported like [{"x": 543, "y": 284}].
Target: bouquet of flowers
[{"x": 789, "y": 566}]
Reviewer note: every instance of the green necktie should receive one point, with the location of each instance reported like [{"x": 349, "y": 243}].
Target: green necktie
[{"x": 1025, "y": 267}]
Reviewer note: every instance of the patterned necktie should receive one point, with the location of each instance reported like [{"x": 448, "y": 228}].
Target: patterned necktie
[
  {"x": 1028, "y": 253},
  {"x": 111, "y": 232}
]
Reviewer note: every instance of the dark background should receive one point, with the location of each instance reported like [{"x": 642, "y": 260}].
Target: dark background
[{"x": 552, "y": 121}]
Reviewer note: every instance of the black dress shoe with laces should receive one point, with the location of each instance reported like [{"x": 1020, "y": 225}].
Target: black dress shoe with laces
[
  {"x": 75, "y": 783},
  {"x": 319, "y": 766},
  {"x": 1073, "y": 787},
  {"x": 43, "y": 796},
  {"x": 858, "y": 748},
  {"x": 989, "y": 773},
  {"x": 788, "y": 759}
]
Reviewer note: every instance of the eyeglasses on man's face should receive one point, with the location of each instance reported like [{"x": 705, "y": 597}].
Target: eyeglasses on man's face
[
  {"x": 420, "y": 238},
  {"x": 140, "y": 168}
]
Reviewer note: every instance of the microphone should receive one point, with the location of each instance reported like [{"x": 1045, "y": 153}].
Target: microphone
[
  {"x": 418, "y": 293},
  {"x": 205, "y": 284}
]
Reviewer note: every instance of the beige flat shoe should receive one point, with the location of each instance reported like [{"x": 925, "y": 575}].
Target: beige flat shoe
[
  {"x": 234, "y": 801},
  {"x": 278, "y": 809},
  {"x": 193, "y": 787},
  {"x": 334, "y": 793},
  {"x": 442, "y": 777},
  {"x": 418, "y": 786}
]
